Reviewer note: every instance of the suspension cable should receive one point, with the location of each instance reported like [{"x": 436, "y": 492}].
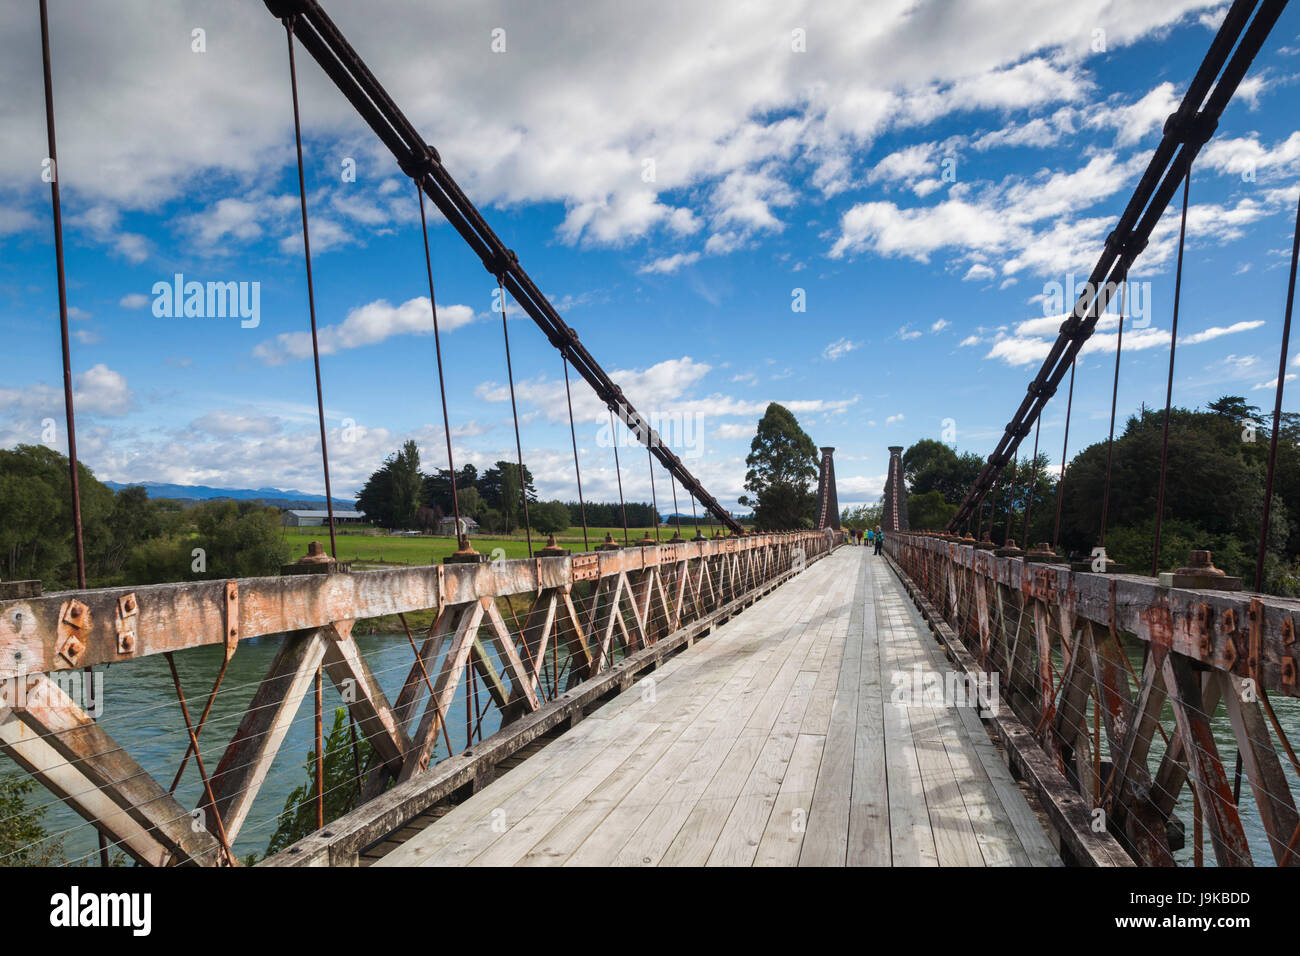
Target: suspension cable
[
  {"x": 654, "y": 499},
  {"x": 577, "y": 469},
  {"x": 1169, "y": 387},
  {"x": 618, "y": 472},
  {"x": 311, "y": 294},
  {"x": 1114, "y": 401},
  {"x": 1033, "y": 479},
  {"x": 514, "y": 413},
  {"x": 442, "y": 385},
  {"x": 1065, "y": 445},
  {"x": 1277, "y": 408},
  {"x": 57, "y": 207},
  {"x": 677, "y": 512}
]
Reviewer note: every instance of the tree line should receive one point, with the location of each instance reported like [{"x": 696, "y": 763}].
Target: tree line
[
  {"x": 1214, "y": 493},
  {"x": 129, "y": 537},
  {"x": 400, "y": 495}
]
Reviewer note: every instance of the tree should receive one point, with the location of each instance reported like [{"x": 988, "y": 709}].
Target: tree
[
  {"x": 782, "y": 464},
  {"x": 931, "y": 465},
  {"x": 392, "y": 494},
  {"x": 36, "y": 537},
  {"x": 436, "y": 492},
  {"x": 1214, "y": 490},
  {"x": 24, "y": 841},
  {"x": 408, "y": 482},
  {"x": 239, "y": 539},
  {"x": 862, "y": 517},
  {"x": 551, "y": 516},
  {"x": 929, "y": 511},
  {"x": 499, "y": 488}
]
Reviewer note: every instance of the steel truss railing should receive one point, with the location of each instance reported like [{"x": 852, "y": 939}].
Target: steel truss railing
[
  {"x": 579, "y": 618},
  {"x": 1127, "y": 733}
]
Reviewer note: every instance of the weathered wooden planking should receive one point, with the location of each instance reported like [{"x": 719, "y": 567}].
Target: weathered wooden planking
[
  {"x": 783, "y": 836},
  {"x": 826, "y": 842},
  {"x": 738, "y": 841},
  {"x": 869, "y": 824}
]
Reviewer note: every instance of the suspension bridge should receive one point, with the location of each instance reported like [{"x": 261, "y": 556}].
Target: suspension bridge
[{"x": 783, "y": 698}]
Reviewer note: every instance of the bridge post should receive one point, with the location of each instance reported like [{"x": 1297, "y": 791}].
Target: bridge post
[
  {"x": 828, "y": 505},
  {"x": 895, "y": 510}
]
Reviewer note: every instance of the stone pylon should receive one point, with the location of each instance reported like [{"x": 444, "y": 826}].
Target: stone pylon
[
  {"x": 828, "y": 505},
  {"x": 895, "y": 509}
]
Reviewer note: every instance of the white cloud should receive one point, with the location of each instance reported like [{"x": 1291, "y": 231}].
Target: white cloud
[
  {"x": 1134, "y": 121},
  {"x": 978, "y": 273},
  {"x": 1290, "y": 377},
  {"x": 134, "y": 300},
  {"x": 839, "y": 348},
  {"x": 225, "y": 424},
  {"x": 1217, "y": 331},
  {"x": 670, "y": 264},
  {"x": 711, "y": 92},
  {"x": 365, "y": 325},
  {"x": 938, "y": 325},
  {"x": 102, "y": 390},
  {"x": 1247, "y": 155}
]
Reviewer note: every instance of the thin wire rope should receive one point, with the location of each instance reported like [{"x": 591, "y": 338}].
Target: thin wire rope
[
  {"x": 311, "y": 292},
  {"x": 1033, "y": 479},
  {"x": 654, "y": 499},
  {"x": 437, "y": 351},
  {"x": 1277, "y": 408},
  {"x": 1114, "y": 402},
  {"x": 1065, "y": 444},
  {"x": 56, "y": 206},
  {"x": 514, "y": 414},
  {"x": 1169, "y": 387},
  {"x": 577, "y": 468},
  {"x": 618, "y": 472}
]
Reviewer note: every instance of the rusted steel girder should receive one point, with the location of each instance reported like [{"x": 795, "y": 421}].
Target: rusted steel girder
[
  {"x": 71, "y": 629},
  {"x": 1213, "y": 628},
  {"x": 418, "y": 159}
]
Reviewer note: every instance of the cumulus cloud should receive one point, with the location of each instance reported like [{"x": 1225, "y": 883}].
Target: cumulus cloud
[{"x": 365, "y": 325}]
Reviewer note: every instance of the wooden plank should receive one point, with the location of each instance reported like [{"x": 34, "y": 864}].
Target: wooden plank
[
  {"x": 783, "y": 836},
  {"x": 48, "y": 734},
  {"x": 911, "y": 839},
  {"x": 869, "y": 824},
  {"x": 738, "y": 841},
  {"x": 247, "y": 759},
  {"x": 444, "y": 692},
  {"x": 365, "y": 699},
  {"x": 826, "y": 841}
]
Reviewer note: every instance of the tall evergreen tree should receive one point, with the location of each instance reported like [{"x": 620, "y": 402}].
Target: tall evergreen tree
[{"x": 782, "y": 465}]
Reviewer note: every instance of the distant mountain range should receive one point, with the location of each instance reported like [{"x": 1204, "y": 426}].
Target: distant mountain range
[{"x": 279, "y": 497}]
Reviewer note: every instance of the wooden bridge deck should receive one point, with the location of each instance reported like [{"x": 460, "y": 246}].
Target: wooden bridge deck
[{"x": 771, "y": 742}]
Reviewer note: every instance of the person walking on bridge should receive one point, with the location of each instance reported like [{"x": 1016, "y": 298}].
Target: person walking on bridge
[{"x": 880, "y": 539}]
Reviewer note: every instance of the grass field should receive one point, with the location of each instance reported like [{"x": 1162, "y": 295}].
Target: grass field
[{"x": 384, "y": 549}]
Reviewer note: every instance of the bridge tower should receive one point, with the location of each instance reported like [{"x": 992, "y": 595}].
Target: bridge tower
[
  {"x": 828, "y": 505},
  {"x": 894, "y": 517}
]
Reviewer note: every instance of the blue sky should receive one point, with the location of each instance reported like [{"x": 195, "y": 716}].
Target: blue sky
[{"x": 917, "y": 174}]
